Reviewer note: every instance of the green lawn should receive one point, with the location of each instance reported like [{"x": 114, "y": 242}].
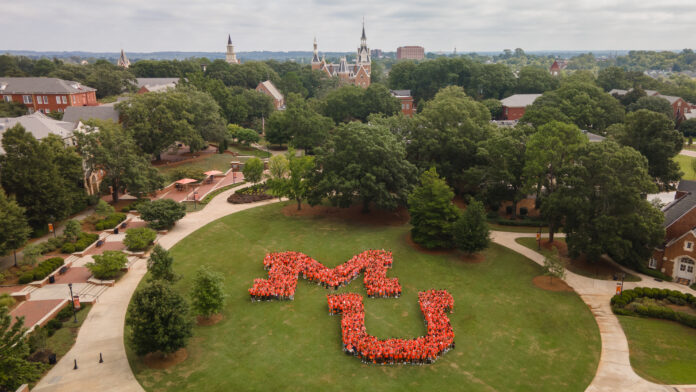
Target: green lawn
[
  {"x": 209, "y": 162},
  {"x": 64, "y": 338},
  {"x": 661, "y": 351},
  {"x": 249, "y": 151},
  {"x": 510, "y": 335},
  {"x": 685, "y": 166}
]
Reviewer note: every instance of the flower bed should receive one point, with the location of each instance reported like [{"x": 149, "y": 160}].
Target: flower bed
[
  {"x": 422, "y": 350},
  {"x": 250, "y": 194},
  {"x": 633, "y": 303},
  {"x": 284, "y": 269}
]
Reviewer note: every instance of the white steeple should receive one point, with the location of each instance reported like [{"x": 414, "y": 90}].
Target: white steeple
[
  {"x": 230, "y": 57},
  {"x": 315, "y": 58},
  {"x": 123, "y": 60},
  {"x": 363, "y": 51}
]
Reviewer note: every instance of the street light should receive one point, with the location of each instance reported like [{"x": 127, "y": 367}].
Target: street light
[{"x": 72, "y": 301}]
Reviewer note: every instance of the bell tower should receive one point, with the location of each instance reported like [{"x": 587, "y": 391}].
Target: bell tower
[{"x": 230, "y": 56}]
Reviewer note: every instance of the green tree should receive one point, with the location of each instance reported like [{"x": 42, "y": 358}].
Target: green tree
[
  {"x": 298, "y": 125},
  {"x": 12, "y": 109},
  {"x": 471, "y": 232},
  {"x": 688, "y": 127},
  {"x": 208, "y": 293},
  {"x": 550, "y": 151},
  {"x": 160, "y": 265},
  {"x": 161, "y": 214},
  {"x": 655, "y": 104},
  {"x": 72, "y": 230},
  {"x": 654, "y": 136},
  {"x": 298, "y": 185},
  {"x": 30, "y": 254},
  {"x": 139, "y": 239},
  {"x": 535, "y": 80},
  {"x": 247, "y": 136},
  {"x": 15, "y": 369},
  {"x": 366, "y": 163},
  {"x": 494, "y": 106},
  {"x": 108, "y": 264},
  {"x": 253, "y": 170},
  {"x": 278, "y": 167},
  {"x": 432, "y": 211},
  {"x": 29, "y": 172},
  {"x": 103, "y": 208},
  {"x": 107, "y": 147},
  {"x": 554, "y": 268},
  {"x": 605, "y": 211},
  {"x": 14, "y": 229},
  {"x": 159, "y": 320},
  {"x": 613, "y": 78}
]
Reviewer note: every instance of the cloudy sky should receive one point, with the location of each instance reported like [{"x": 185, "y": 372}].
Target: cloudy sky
[{"x": 468, "y": 25}]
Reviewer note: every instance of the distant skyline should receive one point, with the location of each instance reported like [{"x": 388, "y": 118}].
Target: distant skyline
[{"x": 256, "y": 25}]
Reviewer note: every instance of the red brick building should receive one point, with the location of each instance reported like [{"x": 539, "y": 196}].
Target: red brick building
[
  {"x": 557, "y": 67},
  {"x": 407, "y": 106},
  {"x": 676, "y": 256},
  {"x": 410, "y": 53},
  {"x": 357, "y": 73},
  {"x": 270, "y": 89},
  {"x": 46, "y": 95},
  {"x": 514, "y": 106}
]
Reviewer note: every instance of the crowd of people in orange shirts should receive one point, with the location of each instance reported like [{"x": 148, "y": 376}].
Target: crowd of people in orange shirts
[
  {"x": 422, "y": 350},
  {"x": 285, "y": 268}
]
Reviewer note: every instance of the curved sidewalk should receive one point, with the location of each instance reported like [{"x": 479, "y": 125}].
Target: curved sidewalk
[
  {"x": 102, "y": 331},
  {"x": 614, "y": 372}
]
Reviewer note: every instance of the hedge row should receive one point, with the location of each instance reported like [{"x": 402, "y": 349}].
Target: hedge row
[
  {"x": 42, "y": 270},
  {"x": 85, "y": 240},
  {"x": 619, "y": 304},
  {"x": 654, "y": 273},
  {"x": 110, "y": 221},
  {"x": 519, "y": 222}
]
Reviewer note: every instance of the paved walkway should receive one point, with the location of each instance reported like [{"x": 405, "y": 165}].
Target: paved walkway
[
  {"x": 614, "y": 372},
  {"x": 102, "y": 331},
  {"x": 689, "y": 153}
]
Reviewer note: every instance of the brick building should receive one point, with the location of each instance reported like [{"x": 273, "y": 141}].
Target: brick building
[
  {"x": 46, "y": 95},
  {"x": 514, "y": 106},
  {"x": 407, "y": 106},
  {"x": 681, "y": 110},
  {"x": 270, "y": 89},
  {"x": 676, "y": 256},
  {"x": 557, "y": 67},
  {"x": 357, "y": 73},
  {"x": 410, "y": 53}
]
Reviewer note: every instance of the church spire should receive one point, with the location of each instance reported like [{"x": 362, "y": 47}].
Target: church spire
[
  {"x": 123, "y": 60},
  {"x": 315, "y": 58},
  {"x": 230, "y": 56},
  {"x": 363, "y": 38},
  {"x": 229, "y": 39}
]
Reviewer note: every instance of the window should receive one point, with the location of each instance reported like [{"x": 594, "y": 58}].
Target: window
[
  {"x": 652, "y": 263},
  {"x": 27, "y": 99},
  {"x": 58, "y": 99},
  {"x": 73, "y": 98},
  {"x": 65, "y": 100},
  {"x": 46, "y": 99},
  {"x": 689, "y": 246},
  {"x": 7, "y": 98},
  {"x": 48, "y": 111},
  {"x": 38, "y": 100}
]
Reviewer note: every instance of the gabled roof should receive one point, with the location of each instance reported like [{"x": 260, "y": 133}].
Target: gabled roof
[
  {"x": 272, "y": 90},
  {"x": 38, "y": 125},
  {"x": 156, "y": 81},
  {"x": 401, "y": 93},
  {"x": 520, "y": 100},
  {"x": 40, "y": 85},
  {"x": 676, "y": 209},
  {"x": 593, "y": 137},
  {"x": 74, "y": 114},
  {"x": 672, "y": 99},
  {"x": 687, "y": 186}
]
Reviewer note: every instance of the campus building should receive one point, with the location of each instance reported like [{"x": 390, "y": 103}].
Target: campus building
[
  {"x": 404, "y": 96},
  {"x": 557, "y": 67},
  {"x": 676, "y": 256},
  {"x": 410, "y": 53},
  {"x": 46, "y": 95},
  {"x": 230, "y": 56},
  {"x": 270, "y": 89},
  {"x": 357, "y": 73},
  {"x": 514, "y": 106}
]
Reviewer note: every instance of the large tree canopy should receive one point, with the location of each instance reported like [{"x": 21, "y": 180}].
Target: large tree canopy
[
  {"x": 654, "y": 136},
  {"x": 350, "y": 103},
  {"x": 299, "y": 125},
  {"x": 366, "y": 163}
]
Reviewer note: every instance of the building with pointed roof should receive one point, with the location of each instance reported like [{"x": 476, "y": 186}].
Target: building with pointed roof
[
  {"x": 270, "y": 89},
  {"x": 123, "y": 60},
  {"x": 230, "y": 56},
  {"x": 357, "y": 73}
]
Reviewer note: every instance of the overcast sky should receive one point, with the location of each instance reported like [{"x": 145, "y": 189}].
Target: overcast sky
[{"x": 468, "y": 25}]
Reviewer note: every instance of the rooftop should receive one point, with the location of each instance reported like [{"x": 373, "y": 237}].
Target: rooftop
[
  {"x": 40, "y": 85},
  {"x": 676, "y": 209},
  {"x": 520, "y": 100},
  {"x": 273, "y": 90},
  {"x": 39, "y": 125},
  {"x": 75, "y": 114},
  {"x": 401, "y": 93}
]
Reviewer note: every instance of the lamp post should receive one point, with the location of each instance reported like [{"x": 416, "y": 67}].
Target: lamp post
[
  {"x": 539, "y": 239},
  {"x": 195, "y": 200},
  {"x": 72, "y": 301}
]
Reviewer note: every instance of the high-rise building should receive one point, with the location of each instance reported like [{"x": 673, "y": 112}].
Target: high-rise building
[
  {"x": 230, "y": 56},
  {"x": 410, "y": 53},
  {"x": 357, "y": 74}
]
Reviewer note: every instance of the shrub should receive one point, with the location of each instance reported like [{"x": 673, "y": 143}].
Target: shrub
[
  {"x": 72, "y": 230},
  {"x": 139, "y": 239},
  {"x": 6, "y": 300},
  {"x": 110, "y": 221},
  {"x": 26, "y": 278},
  {"x": 108, "y": 264},
  {"x": 253, "y": 170},
  {"x": 46, "y": 267},
  {"x": 471, "y": 233},
  {"x": 654, "y": 273},
  {"x": 85, "y": 240},
  {"x": 31, "y": 254},
  {"x": 162, "y": 214},
  {"x": 524, "y": 211},
  {"x": 68, "y": 247},
  {"x": 134, "y": 205},
  {"x": 52, "y": 326},
  {"x": 641, "y": 301},
  {"x": 65, "y": 313},
  {"x": 693, "y": 286},
  {"x": 103, "y": 208},
  {"x": 208, "y": 295}
]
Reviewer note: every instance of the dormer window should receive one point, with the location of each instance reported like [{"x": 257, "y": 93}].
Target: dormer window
[
  {"x": 689, "y": 246},
  {"x": 3, "y": 86}
]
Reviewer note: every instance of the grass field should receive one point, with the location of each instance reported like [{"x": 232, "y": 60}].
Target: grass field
[
  {"x": 510, "y": 335},
  {"x": 661, "y": 351},
  {"x": 685, "y": 166}
]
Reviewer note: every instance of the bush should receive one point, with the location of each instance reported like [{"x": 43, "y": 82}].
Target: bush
[
  {"x": 52, "y": 326},
  {"x": 72, "y": 230},
  {"x": 139, "y": 239},
  {"x": 258, "y": 189},
  {"x": 654, "y": 273},
  {"x": 6, "y": 300},
  {"x": 134, "y": 205},
  {"x": 103, "y": 208},
  {"x": 110, "y": 221},
  {"x": 26, "y": 277},
  {"x": 46, "y": 267},
  {"x": 253, "y": 170},
  {"x": 524, "y": 211},
  {"x": 68, "y": 247},
  {"x": 632, "y": 303},
  {"x": 65, "y": 313},
  {"x": 108, "y": 264},
  {"x": 527, "y": 222},
  {"x": 85, "y": 240},
  {"x": 31, "y": 254},
  {"x": 162, "y": 214}
]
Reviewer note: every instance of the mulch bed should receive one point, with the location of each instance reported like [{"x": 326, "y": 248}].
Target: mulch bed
[
  {"x": 352, "y": 214},
  {"x": 212, "y": 320},
  {"x": 159, "y": 361},
  {"x": 551, "y": 283},
  {"x": 236, "y": 198}
]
